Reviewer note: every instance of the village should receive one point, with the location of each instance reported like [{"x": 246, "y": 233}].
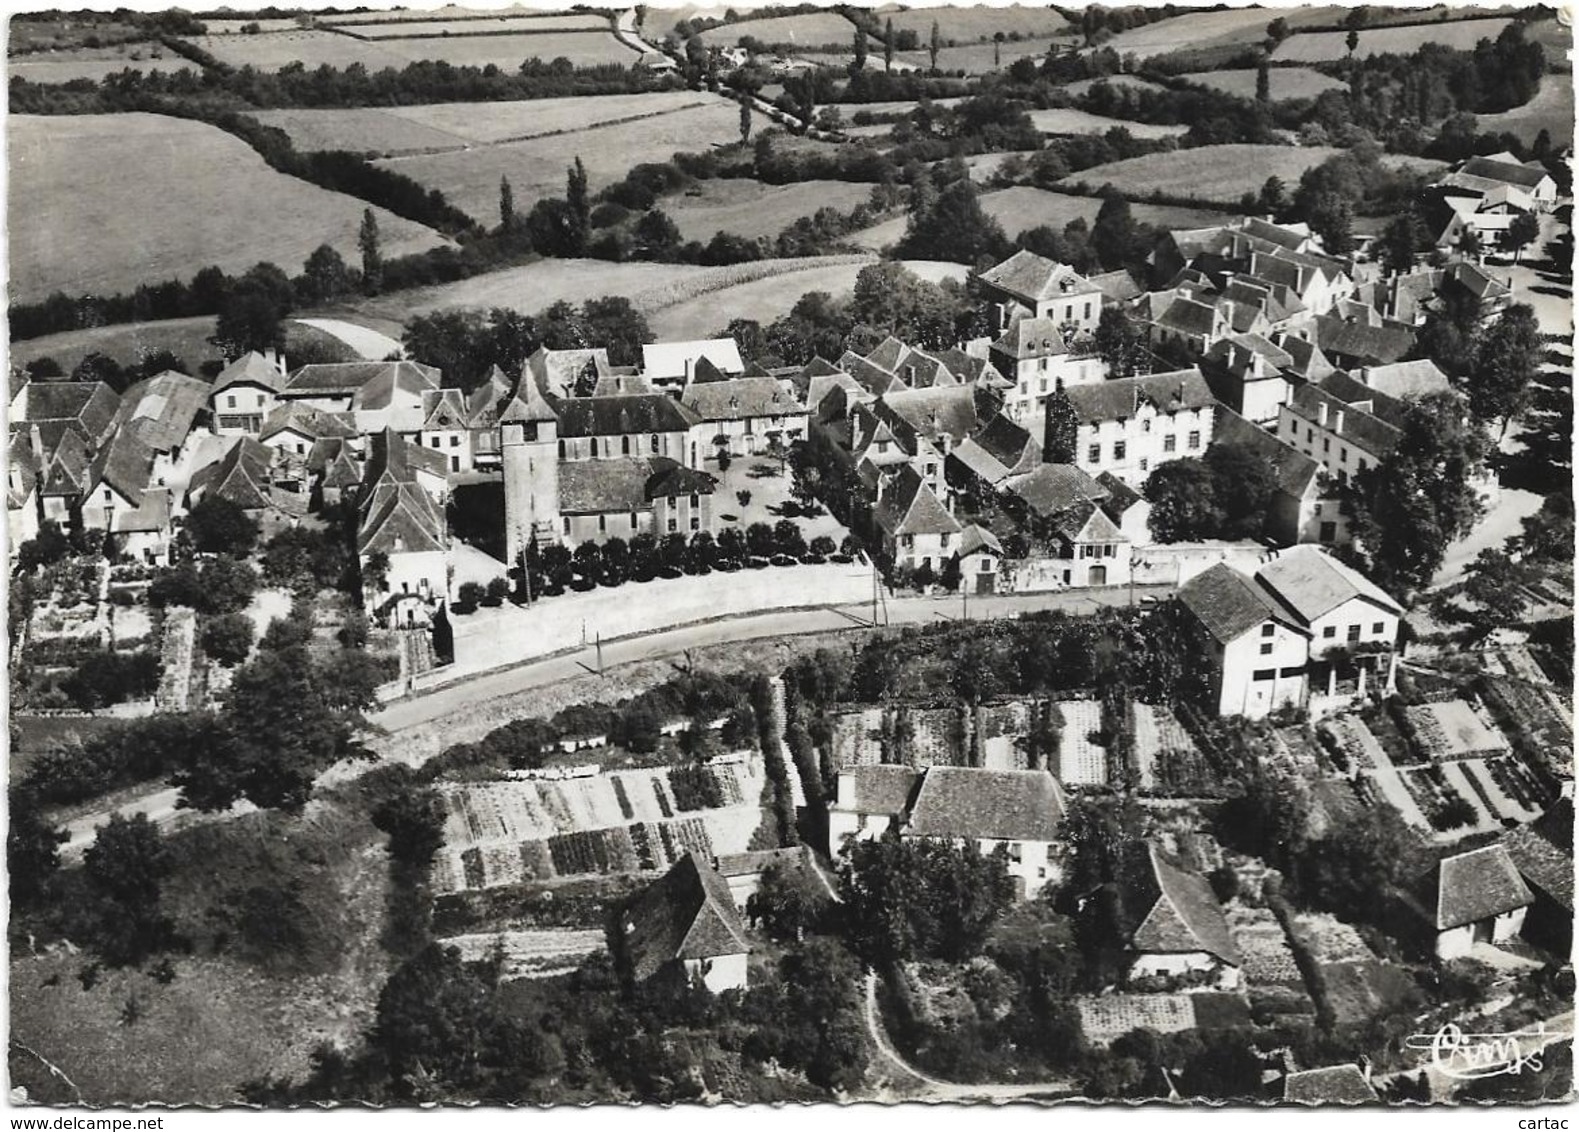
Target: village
[{"x": 1157, "y": 684}]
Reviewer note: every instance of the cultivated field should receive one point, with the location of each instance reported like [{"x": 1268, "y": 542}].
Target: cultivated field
[
  {"x": 1217, "y": 172},
  {"x": 1067, "y": 121},
  {"x": 1286, "y": 82},
  {"x": 1329, "y": 46},
  {"x": 398, "y": 29},
  {"x": 95, "y": 63},
  {"x": 312, "y": 49},
  {"x": 233, "y": 27},
  {"x": 508, "y": 52},
  {"x": 421, "y": 15},
  {"x": 978, "y": 58},
  {"x": 768, "y": 297},
  {"x": 971, "y": 25},
  {"x": 816, "y": 29},
  {"x": 752, "y": 209},
  {"x": 405, "y": 130},
  {"x": 1200, "y": 30},
  {"x": 1552, "y": 110},
  {"x": 536, "y": 168},
  {"x": 200, "y": 197},
  {"x": 851, "y": 109}
]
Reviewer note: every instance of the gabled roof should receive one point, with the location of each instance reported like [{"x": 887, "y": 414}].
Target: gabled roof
[
  {"x": 1404, "y": 381},
  {"x": 1117, "y": 286},
  {"x": 1312, "y": 583},
  {"x": 90, "y": 406},
  {"x": 624, "y": 384},
  {"x": 69, "y": 468},
  {"x": 976, "y": 537},
  {"x": 941, "y": 411},
  {"x": 1008, "y": 443},
  {"x": 740, "y": 398},
  {"x": 1177, "y": 911},
  {"x": 1120, "y": 496},
  {"x": 1306, "y": 358},
  {"x": 1334, "y": 1084},
  {"x": 873, "y": 378},
  {"x": 620, "y": 416},
  {"x": 1032, "y": 338},
  {"x": 1365, "y": 430},
  {"x": 250, "y": 369},
  {"x": 152, "y": 513},
  {"x": 887, "y": 353},
  {"x": 880, "y": 789},
  {"x": 1030, "y": 276},
  {"x": 23, "y": 467},
  {"x": 1508, "y": 172},
  {"x": 1290, "y": 236},
  {"x": 1478, "y": 885},
  {"x": 1000, "y": 805},
  {"x": 590, "y": 487},
  {"x": 161, "y": 409},
  {"x": 240, "y": 476},
  {"x": 394, "y": 381},
  {"x": 1295, "y": 471},
  {"x": 1189, "y": 317},
  {"x": 1053, "y": 488},
  {"x": 348, "y": 377},
  {"x": 1238, "y": 348},
  {"x": 125, "y": 463},
  {"x": 443, "y": 409},
  {"x": 687, "y": 913},
  {"x": 1121, "y": 398},
  {"x": 559, "y": 371},
  {"x": 1226, "y": 603},
  {"x": 1087, "y": 523},
  {"x": 398, "y": 515},
  {"x": 1475, "y": 279},
  {"x": 670, "y": 478},
  {"x": 1543, "y": 863},
  {"x": 977, "y": 371},
  {"x": 528, "y": 403},
  {"x": 312, "y": 423},
  {"x": 907, "y": 506},
  {"x": 1376, "y": 345},
  {"x": 979, "y": 462},
  {"x": 668, "y": 361}
]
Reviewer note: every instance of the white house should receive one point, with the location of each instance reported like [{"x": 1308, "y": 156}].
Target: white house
[
  {"x": 1035, "y": 355},
  {"x": 867, "y": 802},
  {"x": 402, "y": 522},
  {"x": 673, "y": 363},
  {"x": 742, "y": 416},
  {"x": 1027, "y": 284},
  {"x": 1256, "y": 654},
  {"x": 1176, "y": 927},
  {"x": 246, "y": 392},
  {"x": 1480, "y": 898},
  {"x": 916, "y": 529},
  {"x": 685, "y": 925},
  {"x": 1017, "y": 810},
  {"x": 1130, "y": 425}
]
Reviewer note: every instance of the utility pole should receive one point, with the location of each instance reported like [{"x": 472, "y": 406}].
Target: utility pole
[
  {"x": 964, "y": 599},
  {"x": 600, "y": 654},
  {"x": 874, "y": 593}
]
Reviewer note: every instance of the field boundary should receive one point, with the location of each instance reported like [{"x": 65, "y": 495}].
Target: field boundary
[
  {"x": 396, "y": 155},
  {"x": 659, "y": 298}
]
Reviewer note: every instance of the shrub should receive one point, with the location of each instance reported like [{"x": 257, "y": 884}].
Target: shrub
[
  {"x": 694, "y": 788},
  {"x": 470, "y": 595},
  {"x": 228, "y": 639},
  {"x": 498, "y": 589},
  {"x": 112, "y": 678}
]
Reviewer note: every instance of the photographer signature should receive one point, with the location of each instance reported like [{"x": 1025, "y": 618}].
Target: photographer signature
[{"x": 1471, "y": 1057}]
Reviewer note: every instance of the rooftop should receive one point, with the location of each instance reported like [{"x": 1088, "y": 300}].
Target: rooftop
[
  {"x": 1478, "y": 885},
  {"x": 1000, "y": 805},
  {"x": 687, "y": 913},
  {"x": 1036, "y": 278}
]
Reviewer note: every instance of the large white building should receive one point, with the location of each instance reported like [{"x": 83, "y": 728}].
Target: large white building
[{"x": 1130, "y": 425}]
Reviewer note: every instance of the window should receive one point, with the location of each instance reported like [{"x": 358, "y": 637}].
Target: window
[
  {"x": 1362, "y": 463},
  {"x": 1195, "y": 440},
  {"x": 1326, "y": 444},
  {"x": 1169, "y": 443},
  {"x": 1094, "y": 454},
  {"x": 1329, "y": 632},
  {"x": 748, "y": 426},
  {"x": 1145, "y": 425},
  {"x": 696, "y": 522},
  {"x": 696, "y": 501},
  {"x": 1266, "y": 649},
  {"x": 603, "y": 523},
  {"x": 625, "y": 446},
  {"x": 674, "y": 525},
  {"x": 907, "y": 541},
  {"x": 230, "y": 402},
  {"x": 1066, "y": 577},
  {"x": 945, "y": 539},
  {"x": 1144, "y": 463},
  {"x": 1310, "y": 435},
  {"x": 1088, "y": 311},
  {"x": 1318, "y": 510},
  {"x": 567, "y": 524},
  {"x": 433, "y": 442},
  {"x": 1343, "y": 455},
  {"x": 1329, "y": 532},
  {"x": 1261, "y": 674},
  {"x": 1354, "y": 633},
  {"x": 652, "y": 442},
  {"x": 633, "y": 520},
  {"x": 1268, "y": 629},
  {"x": 594, "y": 448},
  {"x": 455, "y": 442},
  {"x": 1118, "y": 449},
  {"x": 1292, "y": 671},
  {"x": 1376, "y": 628},
  {"x": 561, "y": 449}
]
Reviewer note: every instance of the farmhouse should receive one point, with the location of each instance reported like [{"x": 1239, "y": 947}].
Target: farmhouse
[
  {"x": 296, "y": 428},
  {"x": 1029, "y": 285},
  {"x": 1018, "y": 810},
  {"x": 122, "y": 499},
  {"x": 685, "y": 926},
  {"x": 1480, "y": 898},
  {"x": 401, "y": 535},
  {"x": 1543, "y": 854},
  {"x": 868, "y": 801},
  {"x": 1130, "y": 425},
  {"x": 246, "y": 392},
  {"x": 160, "y": 412},
  {"x": 1499, "y": 173},
  {"x": 1175, "y": 928}
]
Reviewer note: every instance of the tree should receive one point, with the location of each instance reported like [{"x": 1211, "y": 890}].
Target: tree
[
  {"x": 506, "y": 204},
  {"x": 325, "y": 277},
  {"x": 126, "y": 867},
  {"x": 414, "y": 820},
  {"x": 934, "y": 43},
  {"x": 1352, "y": 41},
  {"x": 955, "y": 227},
  {"x": 579, "y": 200},
  {"x": 1062, "y": 422},
  {"x": 1273, "y": 198},
  {"x": 1496, "y": 587},
  {"x": 1411, "y": 505},
  {"x": 434, "y": 1019},
  {"x": 1118, "y": 344},
  {"x": 1243, "y": 483},
  {"x": 759, "y": 540},
  {"x": 372, "y": 257},
  {"x": 1183, "y": 497},
  {"x": 888, "y": 45},
  {"x": 859, "y": 63},
  {"x": 745, "y": 121},
  {"x": 1404, "y": 236},
  {"x": 1508, "y": 360},
  {"x": 1277, "y": 30},
  {"x": 1263, "y": 82},
  {"x": 227, "y": 639},
  {"x": 1520, "y": 234},
  {"x": 251, "y": 318},
  {"x": 616, "y": 325},
  {"x": 32, "y": 848},
  {"x": 1547, "y": 535},
  {"x": 1114, "y": 237},
  {"x": 657, "y": 236},
  {"x": 1331, "y": 218},
  {"x": 219, "y": 526}
]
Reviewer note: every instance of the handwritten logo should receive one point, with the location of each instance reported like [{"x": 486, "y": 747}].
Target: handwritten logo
[{"x": 1470, "y": 1057}]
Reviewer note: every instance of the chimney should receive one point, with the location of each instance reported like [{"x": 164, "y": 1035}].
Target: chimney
[
  {"x": 910, "y": 376},
  {"x": 1321, "y": 414},
  {"x": 37, "y": 437},
  {"x": 1337, "y": 421},
  {"x": 844, "y": 792},
  {"x": 690, "y": 369}
]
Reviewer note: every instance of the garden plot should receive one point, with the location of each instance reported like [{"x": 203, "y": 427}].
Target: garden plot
[
  {"x": 1453, "y": 730},
  {"x": 1106, "y": 1017},
  {"x": 1081, "y": 762},
  {"x": 857, "y": 738},
  {"x": 530, "y": 954},
  {"x": 1272, "y": 976},
  {"x": 1166, "y": 756},
  {"x": 1485, "y": 819},
  {"x": 1506, "y": 792},
  {"x": 1353, "y": 748},
  {"x": 1386, "y": 778}
]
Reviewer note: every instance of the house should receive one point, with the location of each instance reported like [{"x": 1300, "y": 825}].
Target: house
[
  {"x": 568, "y": 373},
  {"x": 1174, "y": 926},
  {"x": 743, "y": 416},
  {"x": 245, "y": 476},
  {"x": 979, "y": 560},
  {"x": 1128, "y": 508},
  {"x": 22, "y": 500},
  {"x": 1091, "y": 547},
  {"x": 1257, "y": 653},
  {"x": 1404, "y": 381},
  {"x": 630, "y": 495},
  {"x": 1348, "y": 344},
  {"x": 1130, "y": 425},
  {"x": 1302, "y": 508},
  {"x": 1480, "y": 898},
  {"x": 1341, "y": 425},
  {"x": 122, "y": 499},
  {"x": 1253, "y": 375},
  {"x": 1017, "y": 810},
  {"x": 1036, "y": 355},
  {"x": 868, "y": 801},
  {"x": 394, "y": 397},
  {"x": 296, "y": 427},
  {"x": 1029, "y": 285},
  {"x": 742, "y": 872},
  {"x": 992, "y": 454},
  {"x": 916, "y": 530},
  {"x": 86, "y": 408},
  {"x": 1543, "y": 854},
  {"x": 246, "y": 392},
  {"x": 1482, "y": 176},
  {"x": 685, "y": 925},
  {"x": 1187, "y": 323},
  {"x": 402, "y": 537},
  {"x": 1332, "y": 1085},
  {"x": 667, "y": 364},
  {"x": 161, "y": 411},
  {"x": 463, "y": 427}
]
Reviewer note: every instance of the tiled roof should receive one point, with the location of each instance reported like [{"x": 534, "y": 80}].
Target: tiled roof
[
  {"x": 1119, "y": 399},
  {"x": 1035, "y": 277},
  {"x": 90, "y": 405},
  {"x": 1052, "y": 488},
  {"x": 1120, "y": 496},
  {"x": 1189, "y": 317},
  {"x": 1178, "y": 911},
  {"x": 1001, "y": 805},
  {"x": 820, "y": 385},
  {"x": 979, "y": 462},
  {"x": 887, "y": 353},
  {"x": 879, "y": 789},
  {"x": 670, "y": 478},
  {"x": 687, "y": 913},
  {"x": 1375, "y": 345},
  {"x": 622, "y": 385},
  {"x": 528, "y": 403},
  {"x": 1307, "y": 359},
  {"x": 68, "y": 470},
  {"x": 1477, "y": 281},
  {"x": 1032, "y": 338},
  {"x": 1335, "y": 1084},
  {"x": 250, "y": 369},
  {"x": 1478, "y": 885},
  {"x": 978, "y": 371},
  {"x": 740, "y": 398},
  {"x": 944, "y": 411},
  {"x": 621, "y": 416},
  {"x": 348, "y": 377},
  {"x": 666, "y": 361},
  {"x": 1007, "y": 442},
  {"x": 1087, "y": 523},
  {"x": 1313, "y": 583},
  {"x": 1226, "y": 603},
  {"x": 1117, "y": 286},
  {"x": 1508, "y": 172},
  {"x": 1286, "y": 236},
  {"x": 443, "y": 409},
  {"x": 161, "y": 409},
  {"x": 398, "y": 515},
  {"x": 976, "y": 537},
  {"x": 240, "y": 476},
  {"x": 561, "y": 370},
  {"x": 907, "y": 506},
  {"x": 873, "y": 378},
  {"x": 152, "y": 513},
  {"x": 1540, "y": 862},
  {"x": 394, "y": 381},
  {"x": 310, "y": 422},
  {"x": 1404, "y": 381},
  {"x": 590, "y": 487},
  {"x": 1295, "y": 470},
  {"x": 1364, "y": 430},
  {"x": 125, "y": 463}
]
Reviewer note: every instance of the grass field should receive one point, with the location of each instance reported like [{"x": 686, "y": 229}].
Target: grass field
[
  {"x": 1286, "y": 82},
  {"x": 972, "y": 25},
  {"x": 752, "y": 209},
  {"x": 767, "y": 299},
  {"x": 200, "y": 196},
  {"x": 536, "y": 168},
  {"x": 1079, "y": 122},
  {"x": 816, "y": 29},
  {"x": 404, "y": 130},
  {"x": 422, "y": 15},
  {"x": 95, "y": 62},
  {"x": 508, "y": 52},
  {"x": 1329, "y": 46},
  {"x": 1199, "y": 30},
  {"x": 233, "y": 27},
  {"x": 473, "y": 26},
  {"x": 130, "y": 342},
  {"x": 1220, "y": 173},
  {"x": 272, "y": 50},
  {"x": 851, "y": 109},
  {"x": 978, "y": 58},
  {"x": 1552, "y": 109}
]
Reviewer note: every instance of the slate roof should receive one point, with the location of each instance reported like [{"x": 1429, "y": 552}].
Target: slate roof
[
  {"x": 394, "y": 379},
  {"x": 873, "y": 378},
  {"x": 740, "y": 399},
  {"x": 1007, "y": 442},
  {"x": 1117, "y": 286},
  {"x": 1053, "y": 488},
  {"x": 670, "y": 478},
  {"x": 944, "y": 411},
  {"x": 160, "y": 410},
  {"x": 879, "y": 789},
  {"x": 1120, "y": 496},
  {"x": 90, "y": 406},
  {"x": 621, "y": 416},
  {"x": 241, "y": 476},
  {"x": 1189, "y": 317},
  {"x": 1118, "y": 399},
  {"x": 687, "y": 913},
  {"x": 1542, "y": 863},
  {"x": 1001, "y": 805},
  {"x": 310, "y": 422},
  {"x": 907, "y": 506},
  {"x": 1404, "y": 381},
  {"x": 443, "y": 409},
  {"x": 398, "y": 515},
  {"x": 1474, "y": 279},
  {"x": 1226, "y": 603},
  {"x": 1364, "y": 430},
  {"x": 152, "y": 513},
  {"x": 976, "y": 537},
  {"x": 1525, "y": 176},
  {"x": 590, "y": 487},
  {"x": 1028, "y": 275},
  {"x": 1375, "y": 345},
  {"x": 979, "y": 462},
  {"x": 250, "y": 369},
  {"x": 1296, "y": 472},
  {"x": 69, "y": 468},
  {"x": 1478, "y": 885},
  {"x": 349, "y": 377},
  {"x": 23, "y": 465},
  {"x": 1032, "y": 338},
  {"x": 1178, "y": 910},
  {"x": 562, "y": 369},
  {"x": 125, "y": 463},
  {"x": 1086, "y": 523},
  {"x": 1306, "y": 357},
  {"x": 1312, "y": 583},
  {"x": 621, "y": 385},
  {"x": 664, "y": 361},
  {"x": 979, "y": 371},
  {"x": 528, "y": 403},
  {"x": 1334, "y": 1084}
]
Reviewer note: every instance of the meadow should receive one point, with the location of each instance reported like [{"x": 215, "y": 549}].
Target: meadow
[
  {"x": 94, "y": 63},
  {"x": 475, "y": 26},
  {"x": 1285, "y": 82},
  {"x": 752, "y": 209},
  {"x": 186, "y": 338},
  {"x": 1066, "y": 121},
  {"x": 508, "y": 52},
  {"x": 1221, "y": 173},
  {"x": 200, "y": 196},
  {"x": 973, "y": 25},
  {"x": 1330, "y": 46},
  {"x": 270, "y": 51},
  {"x": 1128, "y": 82},
  {"x": 1202, "y": 30},
  {"x": 1552, "y": 110},
  {"x": 980, "y": 58},
  {"x": 536, "y": 168},
  {"x": 423, "y": 15},
  {"x": 850, "y": 109},
  {"x": 234, "y": 27},
  {"x": 816, "y": 29}
]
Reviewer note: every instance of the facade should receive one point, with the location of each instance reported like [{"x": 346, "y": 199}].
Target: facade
[
  {"x": 916, "y": 530},
  {"x": 246, "y": 392},
  {"x": 743, "y": 416},
  {"x": 1480, "y": 898},
  {"x": 1303, "y": 508},
  {"x": 1029, "y": 285},
  {"x": 1130, "y": 425},
  {"x": 1176, "y": 928},
  {"x": 868, "y": 801},
  {"x": 1036, "y": 355},
  {"x": 1018, "y": 811}
]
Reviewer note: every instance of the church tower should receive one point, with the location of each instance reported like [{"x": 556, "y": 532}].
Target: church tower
[{"x": 529, "y": 441}]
